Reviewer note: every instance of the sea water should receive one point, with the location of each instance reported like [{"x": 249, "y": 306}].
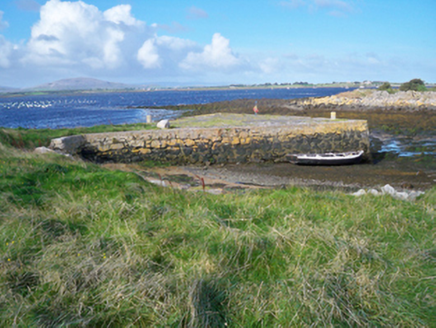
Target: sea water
[{"x": 61, "y": 111}]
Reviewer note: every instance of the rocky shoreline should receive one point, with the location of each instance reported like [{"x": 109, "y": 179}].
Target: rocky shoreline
[{"x": 371, "y": 100}]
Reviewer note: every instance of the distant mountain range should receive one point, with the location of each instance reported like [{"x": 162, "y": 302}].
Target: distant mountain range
[
  {"x": 7, "y": 89},
  {"x": 80, "y": 83},
  {"x": 85, "y": 83}
]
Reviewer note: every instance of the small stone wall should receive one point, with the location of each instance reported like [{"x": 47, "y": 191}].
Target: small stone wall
[{"x": 241, "y": 144}]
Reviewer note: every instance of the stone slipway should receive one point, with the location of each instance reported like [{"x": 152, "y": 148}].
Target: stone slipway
[{"x": 222, "y": 138}]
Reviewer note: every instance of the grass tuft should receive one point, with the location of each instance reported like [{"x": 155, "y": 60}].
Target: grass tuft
[{"x": 207, "y": 304}]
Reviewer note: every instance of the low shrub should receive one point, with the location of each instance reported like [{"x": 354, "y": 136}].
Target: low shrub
[{"x": 413, "y": 85}]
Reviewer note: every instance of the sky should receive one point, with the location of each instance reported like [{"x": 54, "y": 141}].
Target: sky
[{"x": 173, "y": 42}]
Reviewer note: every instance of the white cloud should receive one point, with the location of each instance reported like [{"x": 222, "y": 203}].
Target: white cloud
[
  {"x": 197, "y": 13},
  {"x": 73, "y": 38},
  {"x": 217, "y": 55},
  {"x": 3, "y": 24},
  {"x": 148, "y": 55},
  {"x": 112, "y": 55},
  {"x": 121, "y": 14},
  {"x": 165, "y": 52},
  {"x": 74, "y": 33},
  {"x": 176, "y": 44},
  {"x": 175, "y": 27},
  {"x": 78, "y": 36},
  {"x": 5, "y": 52},
  {"x": 270, "y": 65}
]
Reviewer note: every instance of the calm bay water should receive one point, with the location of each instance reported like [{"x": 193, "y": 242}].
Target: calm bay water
[
  {"x": 65, "y": 111},
  {"x": 60, "y": 111}
]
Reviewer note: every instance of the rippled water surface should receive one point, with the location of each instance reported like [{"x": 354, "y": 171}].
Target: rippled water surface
[{"x": 58, "y": 111}]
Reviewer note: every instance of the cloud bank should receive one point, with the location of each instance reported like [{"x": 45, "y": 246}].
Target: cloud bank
[
  {"x": 73, "y": 36},
  {"x": 217, "y": 55}
]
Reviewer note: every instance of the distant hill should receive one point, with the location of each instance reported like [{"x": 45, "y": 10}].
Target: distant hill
[
  {"x": 80, "y": 83},
  {"x": 7, "y": 89}
]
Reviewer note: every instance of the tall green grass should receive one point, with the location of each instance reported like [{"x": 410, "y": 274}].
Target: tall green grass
[
  {"x": 31, "y": 138},
  {"x": 82, "y": 246}
]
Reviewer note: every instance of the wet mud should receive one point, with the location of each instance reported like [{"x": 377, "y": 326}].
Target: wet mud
[{"x": 402, "y": 174}]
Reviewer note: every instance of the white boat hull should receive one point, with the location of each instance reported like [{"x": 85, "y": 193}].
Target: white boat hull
[{"x": 345, "y": 158}]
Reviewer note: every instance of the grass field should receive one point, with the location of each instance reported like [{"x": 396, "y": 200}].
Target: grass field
[{"x": 83, "y": 246}]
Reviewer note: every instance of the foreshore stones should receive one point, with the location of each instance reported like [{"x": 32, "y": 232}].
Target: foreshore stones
[
  {"x": 373, "y": 99},
  {"x": 389, "y": 190}
]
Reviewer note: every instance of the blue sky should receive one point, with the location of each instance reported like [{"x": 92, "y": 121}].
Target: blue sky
[{"x": 217, "y": 42}]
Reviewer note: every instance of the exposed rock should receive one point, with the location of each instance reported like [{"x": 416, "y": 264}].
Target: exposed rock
[
  {"x": 359, "y": 193},
  {"x": 374, "y": 192},
  {"x": 43, "y": 150},
  {"x": 377, "y": 99},
  {"x": 68, "y": 145},
  {"x": 163, "y": 124},
  {"x": 389, "y": 190},
  {"x": 160, "y": 183}
]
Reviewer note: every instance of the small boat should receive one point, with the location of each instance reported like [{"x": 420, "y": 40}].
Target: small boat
[{"x": 345, "y": 158}]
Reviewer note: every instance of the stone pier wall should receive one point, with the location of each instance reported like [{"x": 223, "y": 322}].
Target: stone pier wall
[{"x": 220, "y": 144}]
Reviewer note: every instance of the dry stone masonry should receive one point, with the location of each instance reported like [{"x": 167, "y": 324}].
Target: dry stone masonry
[{"x": 222, "y": 138}]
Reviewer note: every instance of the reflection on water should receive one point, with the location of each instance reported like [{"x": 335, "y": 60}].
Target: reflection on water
[{"x": 408, "y": 148}]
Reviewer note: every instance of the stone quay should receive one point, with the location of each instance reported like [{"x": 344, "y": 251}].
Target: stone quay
[{"x": 222, "y": 138}]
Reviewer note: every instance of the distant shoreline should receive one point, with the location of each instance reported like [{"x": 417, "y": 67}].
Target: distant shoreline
[
  {"x": 13, "y": 92},
  {"x": 97, "y": 91}
]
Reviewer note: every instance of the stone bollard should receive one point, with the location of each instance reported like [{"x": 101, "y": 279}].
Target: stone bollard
[
  {"x": 148, "y": 118},
  {"x": 333, "y": 115}
]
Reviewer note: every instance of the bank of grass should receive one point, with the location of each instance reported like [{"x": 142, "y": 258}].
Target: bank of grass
[
  {"x": 30, "y": 138},
  {"x": 82, "y": 246}
]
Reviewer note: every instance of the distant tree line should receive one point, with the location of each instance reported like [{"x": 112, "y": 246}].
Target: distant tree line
[{"x": 412, "y": 85}]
